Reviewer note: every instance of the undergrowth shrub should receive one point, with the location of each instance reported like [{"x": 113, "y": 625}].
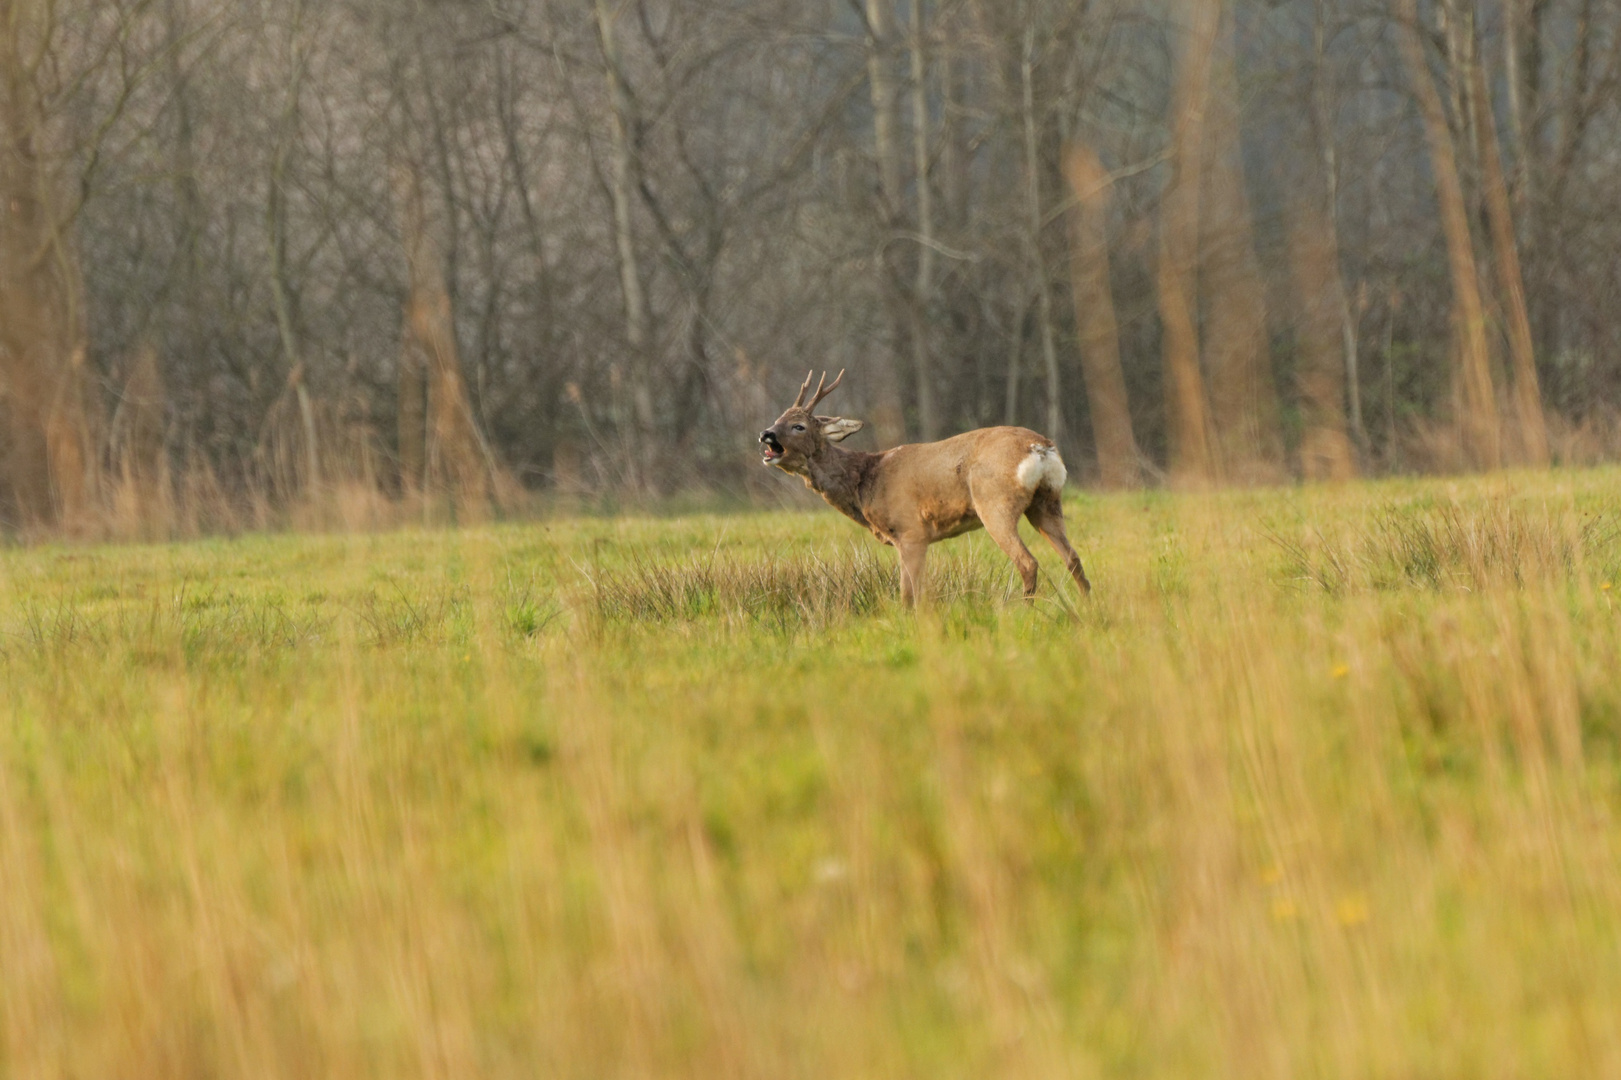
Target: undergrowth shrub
[
  {"x": 808, "y": 590},
  {"x": 1452, "y": 545},
  {"x": 404, "y": 617},
  {"x": 190, "y": 627}
]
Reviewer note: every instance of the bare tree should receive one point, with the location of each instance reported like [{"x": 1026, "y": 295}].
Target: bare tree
[
  {"x": 136, "y": 437},
  {"x": 881, "y": 35},
  {"x": 1193, "y": 456},
  {"x": 1478, "y": 419},
  {"x": 1089, "y": 181},
  {"x": 276, "y": 239},
  {"x": 1036, "y": 211},
  {"x": 1325, "y": 448},
  {"x": 1237, "y": 351},
  {"x": 48, "y": 415},
  {"x": 622, "y": 184},
  {"x": 1327, "y": 167},
  {"x": 456, "y": 460},
  {"x": 1531, "y": 427},
  {"x": 923, "y": 368}
]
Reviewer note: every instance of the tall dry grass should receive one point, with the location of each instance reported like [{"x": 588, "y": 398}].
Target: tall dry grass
[{"x": 1318, "y": 782}]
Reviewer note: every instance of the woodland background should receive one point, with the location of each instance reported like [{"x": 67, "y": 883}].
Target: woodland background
[{"x": 459, "y": 253}]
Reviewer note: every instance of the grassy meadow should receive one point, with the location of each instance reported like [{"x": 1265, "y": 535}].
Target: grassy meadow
[{"x": 1320, "y": 782}]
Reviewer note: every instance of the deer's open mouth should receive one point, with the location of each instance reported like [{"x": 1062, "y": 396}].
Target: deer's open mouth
[{"x": 770, "y": 449}]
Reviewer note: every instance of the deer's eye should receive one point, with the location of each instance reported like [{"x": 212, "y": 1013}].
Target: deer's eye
[{"x": 799, "y": 427}]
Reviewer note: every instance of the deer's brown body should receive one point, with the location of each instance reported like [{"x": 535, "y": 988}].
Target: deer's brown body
[{"x": 915, "y": 495}]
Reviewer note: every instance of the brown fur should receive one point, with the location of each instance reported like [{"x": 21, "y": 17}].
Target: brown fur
[{"x": 921, "y": 493}]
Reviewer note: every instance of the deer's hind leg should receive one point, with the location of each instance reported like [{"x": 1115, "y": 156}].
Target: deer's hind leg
[
  {"x": 914, "y": 554},
  {"x": 1046, "y": 513},
  {"x": 1001, "y": 521}
]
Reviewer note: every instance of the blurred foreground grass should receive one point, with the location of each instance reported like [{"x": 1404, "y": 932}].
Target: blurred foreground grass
[{"x": 1317, "y": 783}]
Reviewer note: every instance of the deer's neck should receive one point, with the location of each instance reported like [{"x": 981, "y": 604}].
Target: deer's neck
[{"x": 839, "y": 476}]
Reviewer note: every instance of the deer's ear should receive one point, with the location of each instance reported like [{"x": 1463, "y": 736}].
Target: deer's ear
[{"x": 837, "y": 428}]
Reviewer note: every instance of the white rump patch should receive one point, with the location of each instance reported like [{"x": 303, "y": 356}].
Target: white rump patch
[{"x": 1042, "y": 468}]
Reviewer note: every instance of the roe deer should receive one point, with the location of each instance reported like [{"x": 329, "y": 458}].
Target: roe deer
[{"x": 914, "y": 495}]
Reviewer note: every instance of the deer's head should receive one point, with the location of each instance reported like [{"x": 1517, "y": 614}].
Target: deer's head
[{"x": 799, "y": 434}]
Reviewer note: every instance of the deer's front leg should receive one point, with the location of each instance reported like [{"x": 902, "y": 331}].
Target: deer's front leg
[{"x": 913, "y": 553}]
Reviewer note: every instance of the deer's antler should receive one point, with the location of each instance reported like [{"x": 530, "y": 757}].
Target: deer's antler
[
  {"x": 820, "y": 393},
  {"x": 799, "y": 398}
]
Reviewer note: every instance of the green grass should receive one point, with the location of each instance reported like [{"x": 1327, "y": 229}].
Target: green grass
[{"x": 1320, "y": 782}]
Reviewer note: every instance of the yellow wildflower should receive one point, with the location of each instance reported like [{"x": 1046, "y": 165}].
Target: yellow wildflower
[{"x": 1352, "y": 910}]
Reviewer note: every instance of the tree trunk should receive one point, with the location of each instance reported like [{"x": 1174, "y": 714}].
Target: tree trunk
[
  {"x": 1193, "y": 462},
  {"x": 1514, "y": 12},
  {"x": 889, "y": 425},
  {"x": 47, "y": 427},
  {"x": 1455, "y": 23},
  {"x": 1036, "y": 226},
  {"x": 622, "y": 182},
  {"x": 956, "y": 150},
  {"x": 1326, "y": 332},
  {"x": 281, "y": 291},
  {"x": 1095, "y": 319},
  {"x": 136, "y": 437},
  {"x": 1530, "y": 136},
  {"x": 457, "y": 461},
  {"x": 923, "y": 300},
  {"x": 412, "y": 398},
  {"x": 1015, "y": 362},
  {"x": 1478, "y": 422},
  {"x": 1322, "y": 122},
  {"x": 1533, "y": 431},
  {"x": 1325, "y": 450},
  {"x": 1237, "y": 345}
]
